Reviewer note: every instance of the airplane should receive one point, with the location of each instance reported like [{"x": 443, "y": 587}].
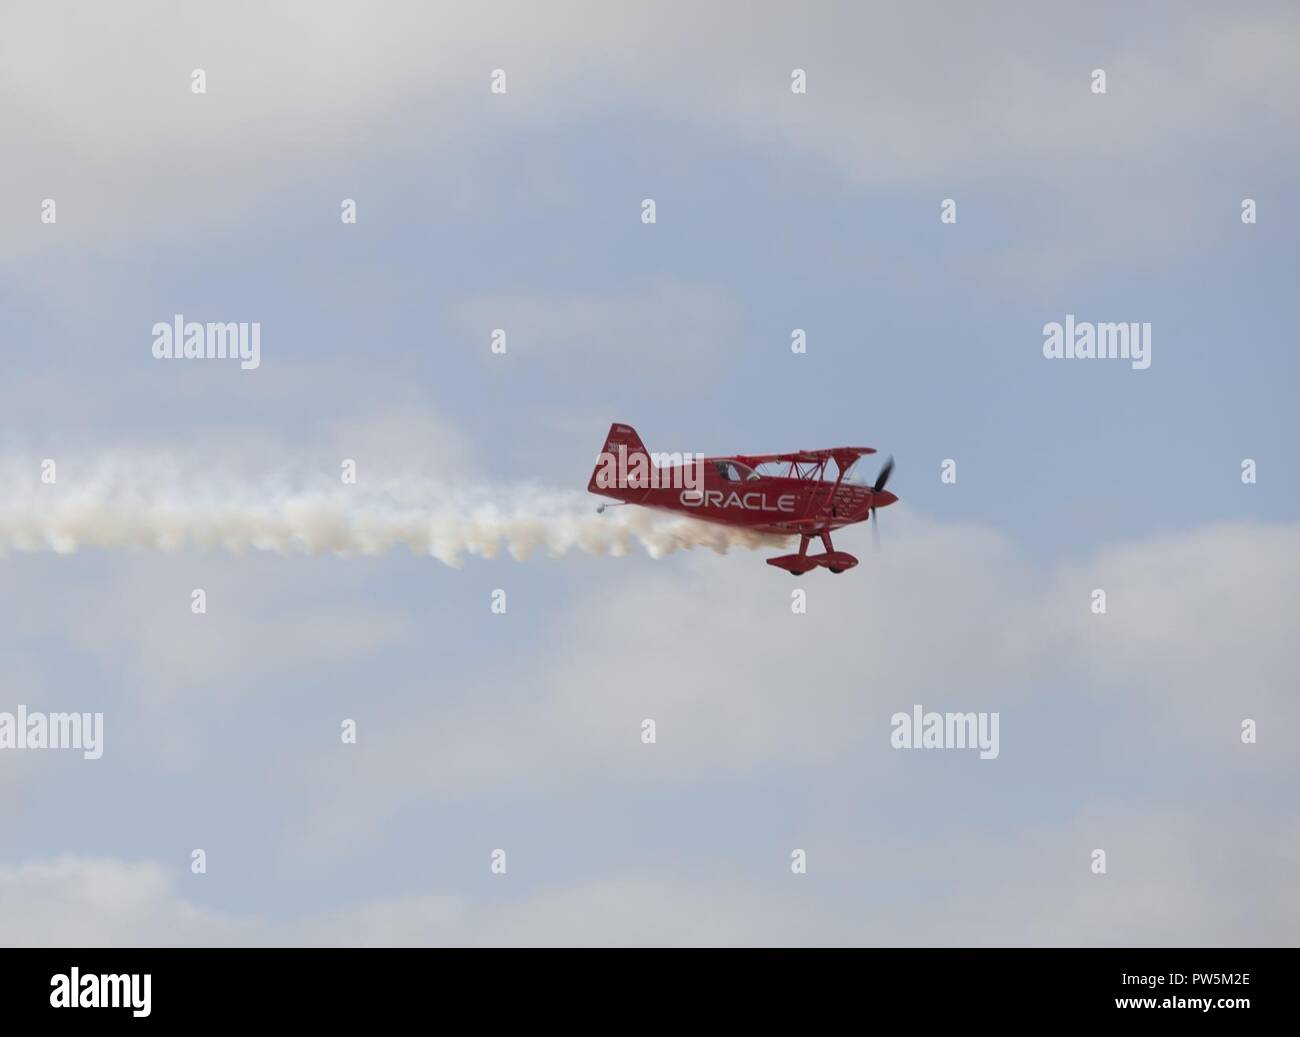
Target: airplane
[{"x": 785, "y": 494}]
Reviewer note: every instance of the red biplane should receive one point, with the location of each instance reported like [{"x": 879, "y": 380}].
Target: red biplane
[{"x": 808, "y": 493}]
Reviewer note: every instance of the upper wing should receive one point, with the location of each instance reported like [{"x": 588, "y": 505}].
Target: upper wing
[{"x": 843, "y": 455}]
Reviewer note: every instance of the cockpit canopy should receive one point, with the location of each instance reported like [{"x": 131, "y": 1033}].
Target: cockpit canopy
[{"x": 734, "y": 471}]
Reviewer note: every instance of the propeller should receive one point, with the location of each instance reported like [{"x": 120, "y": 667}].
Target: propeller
[{"x": 885, "y": 472}]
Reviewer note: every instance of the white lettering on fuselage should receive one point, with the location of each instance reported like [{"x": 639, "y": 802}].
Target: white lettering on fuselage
[{"x": 747, "y": 502}]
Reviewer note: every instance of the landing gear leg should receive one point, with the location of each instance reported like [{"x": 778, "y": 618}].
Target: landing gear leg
[
  {"x": 797, "y": 565},
  {"x": 836, "y": 561},
  {"x": 803, "y": 553}
]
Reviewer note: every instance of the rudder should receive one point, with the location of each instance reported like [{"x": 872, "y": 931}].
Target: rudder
[{"x": 621, "y": 445}]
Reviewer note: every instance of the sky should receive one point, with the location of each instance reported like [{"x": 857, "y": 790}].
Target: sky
[{"x": 775, "y": 210}]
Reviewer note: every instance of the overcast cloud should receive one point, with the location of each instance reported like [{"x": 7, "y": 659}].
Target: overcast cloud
[{"x": 776, "y": 211}]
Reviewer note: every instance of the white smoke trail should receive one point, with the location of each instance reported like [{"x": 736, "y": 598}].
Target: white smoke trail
[{"x": 168, "y": 511}]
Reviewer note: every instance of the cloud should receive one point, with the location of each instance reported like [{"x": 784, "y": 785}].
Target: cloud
[
  {"x": 667, "y": 334},
  {"x": 73, "y": 901},
  {"x": 1119, "y": 731},
  {"x": 950, "y": 616},
  {"x": 101, "y": 902},
  {"x": 922, "y": 97},
  {"x": 292, "y": 416},
  {"x": 1195, "y": 639},
  {"x": 1172, "y": 879}
]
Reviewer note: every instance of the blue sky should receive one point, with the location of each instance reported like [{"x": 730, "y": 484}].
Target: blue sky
[{"x": 775, "y": 211}]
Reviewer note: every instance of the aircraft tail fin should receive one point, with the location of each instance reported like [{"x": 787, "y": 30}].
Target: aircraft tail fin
[{"x": 621, "y": 446}]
